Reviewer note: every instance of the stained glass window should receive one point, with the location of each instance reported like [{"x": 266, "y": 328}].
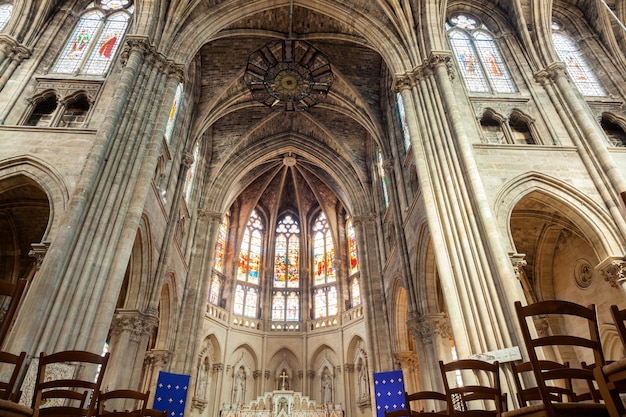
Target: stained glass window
[
  {"x": 246, "y": 299},
  {"x": 325, "y": 300},
  {"x": 383, "y": 179},
  {"x": 5, "y": 14},
  {"x": 169, "y": 128},
  {"x": 286, "y": 306},
  {"x": 96, "y": 38},
  {"x": 352, "y": 251},
  {"x": 220, "y": 246},
  {"x": 355, "y": 292},
  {"x": 403, "y": 123},
  {"x": 191, "y": 173},
  {"x": 323, "y": 252},
  {"x": 577, "y": 67},
  {"x": 214, "y": 290},
  {"x": 250, "y": 254},
  {"x": 478, "y": 56},
  {"x": 287, "y": 253}
]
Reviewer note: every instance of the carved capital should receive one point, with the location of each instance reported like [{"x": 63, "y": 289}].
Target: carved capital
[
  {"x": 403, "y": 82},
  {"x": 257, "y": 374},
  {"x": 348, "y": 367},
  {"x": 426, "y": 327},
  {"x": 158, "y": 358},
  {"x": 615, "y": 273},
  {"x": 218, "y": 367},
  {"x": 136, "y": 324},
  {"x": 556, "y": 70},
  {"x": 188, "y": 160},
  {"x": 38, "y": 252},
  {"x": 267, "y": 374},
  {"x": 209, "y": 215},
  {"x": 20, "y": 53},
  {"x": 363, "y": 219},
  {"x": 441, "y": 59},
  {"x": 310, "y": 374},
  {"x": 518, "y": 261},
  {"x": 134, "y": 44}
]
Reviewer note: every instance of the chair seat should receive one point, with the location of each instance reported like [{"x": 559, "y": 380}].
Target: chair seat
[{"x": 564, "y": 409}]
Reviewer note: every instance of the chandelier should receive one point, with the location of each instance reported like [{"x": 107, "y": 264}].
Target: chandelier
[{"x": 288, "y": 75}]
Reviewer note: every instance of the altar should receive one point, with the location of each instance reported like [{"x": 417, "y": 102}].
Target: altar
[{"x": 282, "y": 403}]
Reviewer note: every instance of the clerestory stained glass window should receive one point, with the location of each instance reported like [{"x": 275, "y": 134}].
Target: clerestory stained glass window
[
  {"x": 323, "y": 252},
  {"x": 406, "y": 136},
  {"x": 220, "y": 246},
  {"x": 579, "y": 71},
  {"x": 6, "y": 10},
  {"x": 192, "y": 173},
  {"x": 352, "y": 248},
  {"x": 478, "y": 56},
  {"x": 383, "y": 179},
  {"x": 214, "y": 290},
  {"x": 93, "y": 44},
  {"x": 169, "y": 128},
  {"x": 246, "y": 291}
]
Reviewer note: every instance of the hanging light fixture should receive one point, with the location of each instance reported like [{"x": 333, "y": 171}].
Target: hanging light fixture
[{"x": 289, "y": 74}]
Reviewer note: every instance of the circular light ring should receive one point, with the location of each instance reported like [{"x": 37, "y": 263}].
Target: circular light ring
[{"x": 288, "y": 75}]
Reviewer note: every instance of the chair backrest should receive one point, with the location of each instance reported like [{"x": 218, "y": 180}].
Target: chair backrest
[
  {"x": 10, "y": 297},
  {"x": 483, "y": 393},
  {"x": 68, "y": 383},
  {"x": 619, "y": 316},
  {"x": 122, "y": 402},
  {"x": 578, "y": 378},
  {"x": 528, "y": 395},
  {"x": 12, "y": 364},
  {"x": 426, "y": 400}
]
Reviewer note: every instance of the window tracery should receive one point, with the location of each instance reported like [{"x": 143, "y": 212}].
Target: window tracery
[
  {"x": 93, "y": 44},
  {"x": 478, "y": 56}
]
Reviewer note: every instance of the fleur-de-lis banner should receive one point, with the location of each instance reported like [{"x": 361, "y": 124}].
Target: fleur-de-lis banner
[
  {"x": 389, "y": 390},
  {"x": 171, "y": 393}
]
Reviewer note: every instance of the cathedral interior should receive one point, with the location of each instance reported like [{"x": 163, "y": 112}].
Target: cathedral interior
[{"x": 297, "y": 194}]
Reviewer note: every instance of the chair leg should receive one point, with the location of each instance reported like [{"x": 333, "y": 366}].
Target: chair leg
[{"x": 612, "y": 399}]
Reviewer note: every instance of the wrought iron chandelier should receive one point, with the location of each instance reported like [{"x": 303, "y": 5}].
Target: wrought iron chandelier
[{"x": 289, "y": 74}]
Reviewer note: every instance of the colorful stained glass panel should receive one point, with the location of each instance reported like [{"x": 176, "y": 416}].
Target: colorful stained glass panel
[
  {"x": 5, "y": 14},
  {"x": 467, "y": 60},
  {"x": 293, "y": 307},
  {"x": 493, "y": 63},
  {"x": 107, "y": 44},
  {"x": 352, "y": 250},
  {"x": 280, "y": 262},
  {"x": 75, "y": 49},
  {"x": 578, "y": 69},
  {"x": 278, "y": 307}
]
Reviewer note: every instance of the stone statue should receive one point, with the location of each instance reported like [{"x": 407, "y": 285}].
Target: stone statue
[
  {"x": 239, "y": 387},
  {"x": 327, "y": 388}
]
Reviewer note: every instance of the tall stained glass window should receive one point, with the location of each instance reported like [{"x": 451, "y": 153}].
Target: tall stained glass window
[
  {"x": 220, "y": 246},
  {"x": 287, "y": 254},
  {"x": 325, "y": 290},
  {"x": 579, "y": 71},
  {"x": 169, "y": 128},
  {"x": 383, "y": 179},
  {"x": 352, "y": 250},
  {"x": 6, "y": 9},
  {"x": 246, "y": 291},
  {"x": 478, "y": 56},
  {"x": 192, "y": 173},
  {"x": 406, "y": 136},
  {"x": 92, "y": 46},
  {"x": 286, "y": 304},
  {"x": 214, "y": 290},
  {"x": 355, "y": 292}
]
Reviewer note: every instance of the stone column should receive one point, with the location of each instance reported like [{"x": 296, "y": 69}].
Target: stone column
[
  {"x": 349, "y": 389},
  {"x": 372, "y": 288},
  {"x": 401, "y": 243},
  {"x": 130, "y": 334},
  {"x": 590, "y": 141},
  {"x": 154, "y": 362},
  {"x": 410, "y": 369},
  {"x": 432, "y": 334},
  {"x": 17, "y": 55},
  {"x": 75, "y": 292},
  {"x": 216, "y": 389},
  {"x": 196, "y": 290}
]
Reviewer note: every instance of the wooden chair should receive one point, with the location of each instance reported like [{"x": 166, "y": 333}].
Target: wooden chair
[
  {"x": 480, "y": 399},
  {"x": 426, "y": 397},
  {"x": 68, "y": 384},
  {"x": 576, "y": 378},
  {"x": 611, "y": 377},
  {"x": 10, "y": 297},
  {"x": 151, "y": 412},
  {"x": 111, "y": 404},
  {"x": 412, "y": 410},
  {"x": 530, "y": 395},
  {"x": 14, "y": 363}
]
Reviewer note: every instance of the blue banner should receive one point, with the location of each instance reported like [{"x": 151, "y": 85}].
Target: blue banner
[
  {"x": 171, "y": 393},
  {"x": 389, "y": 390}
]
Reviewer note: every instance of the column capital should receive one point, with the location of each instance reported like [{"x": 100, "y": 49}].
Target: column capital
[
  {"x": 135, "y": 323},
  {"x": 518, "y": 262},
  {"x": 38, "y": 252},
  {"x": 348, "y": 367},
  {"x": 210, "y": 215},
  {"x": 218, "y": 367},
  {"x": 187, "y": 160},
  {"x": 614, "y": 272},
  {"x": 159, "y": 357},
  {"x": 363, "y": 219},
  {"x": 441, "y": 59},
  {"x": 427, "y": 326},
  {"x": 310, "y": 374}
]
